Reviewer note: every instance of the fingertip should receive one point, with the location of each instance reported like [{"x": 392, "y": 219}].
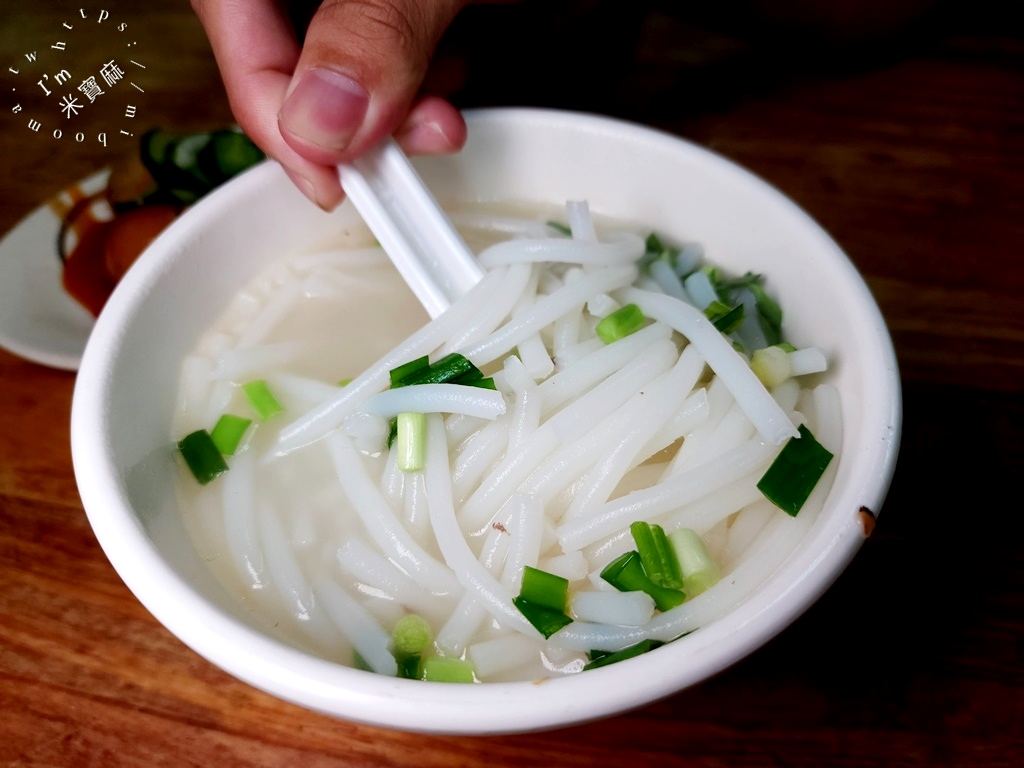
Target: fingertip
[
  {"x": 320, "y": 185},
  {"x": 433, "y": 127}
]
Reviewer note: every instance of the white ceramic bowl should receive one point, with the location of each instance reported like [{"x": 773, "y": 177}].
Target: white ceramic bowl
[{"x": 125, "y": 395}]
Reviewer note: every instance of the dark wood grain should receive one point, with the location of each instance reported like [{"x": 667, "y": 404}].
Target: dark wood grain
[{"x": 910, "y": 151}]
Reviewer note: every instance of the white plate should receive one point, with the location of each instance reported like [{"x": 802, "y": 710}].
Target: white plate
[{"x": 39, "y": 320}]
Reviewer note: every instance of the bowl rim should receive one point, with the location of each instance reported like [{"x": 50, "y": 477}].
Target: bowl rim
[{"x": 326, "y": 687}]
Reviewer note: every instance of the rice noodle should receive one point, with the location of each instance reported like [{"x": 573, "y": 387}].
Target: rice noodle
[
  {"x": 378, "y": 517},
  {"x": 757, "y": 403},
  {"x": 577, "y": 440}
]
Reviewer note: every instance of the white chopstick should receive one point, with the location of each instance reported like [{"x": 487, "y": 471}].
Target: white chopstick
[{"x": 410, "y": 225}]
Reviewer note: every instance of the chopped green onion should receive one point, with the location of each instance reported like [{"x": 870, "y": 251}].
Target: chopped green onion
[
  {"x": 202, "y": 456},
  {"x": 411, "y": 441},
  {"x": 795, "y": 471},
  {"x": 542, "y": 599},
  {"x": 785, "y": 346},
  {"x": 410, "y": 667},
  {"x": 656, "y": 555},
  {"x": 731, "y": 284},
  {"x": 262, "y": 399},
  {"x": 653, "y": 243},
  {"x": 411, "y": 637},
  {"x": 725, "y": 318},
  {"x": 772, "y": 333},
  {"x": 729, "y": 321},
  {"x": 545, "y": 620},
  {"x": 620, "y": 323},
  {"x": 767, "y": 307},
  {"x": 715, "y": 309},
  {"x": 344, "y": 382},
  {"x": 453, "y": 368},
  {"x": 771, "y": 365},
  {"x": 626, "y": 574},
  {"x": 655, "y": 250},
  {"x": 411, "y": 634},
  {"x": 407, "y": 369},
  {"x": 444, "y": 669},
  {"x": 228, "y": 433},
  {"x": 450, "y": 369},
  {"x": 560, "y": 228},
  {"x": 603, "y": 659},
  {"x": 544, "y": 589},
  {"x": 698, "y": 568}
]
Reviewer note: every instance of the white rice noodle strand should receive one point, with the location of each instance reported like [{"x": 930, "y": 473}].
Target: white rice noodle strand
[
  {"x": 360, "y": 628},
  {"x": 623, "y": 250},
  {"x": 240, "y": 527},
  {"x": 546, "y": 310},
  {"x": 436, "y": 398},
  {"x": 380, "y": 521},
  {"x": 569, "y": 383},
  {"x": 503, "y": 300},
  {"x": 766, "y": 415},
  {"x": 680, "y": 489},
  {"x": 473, "y": 577}
]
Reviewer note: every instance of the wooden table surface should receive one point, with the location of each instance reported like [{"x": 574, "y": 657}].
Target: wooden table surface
[{"x": 911, "y": 154}]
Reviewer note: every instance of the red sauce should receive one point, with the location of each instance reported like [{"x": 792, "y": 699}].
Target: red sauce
[
  {"x": 106, "y": 249},
  {"x": 85, "y": 275}
]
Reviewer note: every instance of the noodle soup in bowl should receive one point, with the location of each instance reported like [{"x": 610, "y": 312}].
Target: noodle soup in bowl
[{"x": 575, "y": 513}]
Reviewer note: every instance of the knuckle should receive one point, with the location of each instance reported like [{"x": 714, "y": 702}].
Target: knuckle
[{"x": 408, "y": 27}]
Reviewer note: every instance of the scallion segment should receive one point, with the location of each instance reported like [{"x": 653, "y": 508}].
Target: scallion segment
[
  {"x": 411, "y": 637},
  {"x": 227, "y": 434},
  {"x": 602, "y": 659},
  {"x": 409, "y": 667},
  {"x": 771, "y": 365},
  {"x": 202, "y": 456},
  {"x": 560, "y": 228},
  {"x": 796, "y": 470},
  {"x": 545, "y": 620},
  {"x": 453, "y": 368},
  {"x": 626, "y": 573},
  {"x": 445, "y": 669},
  {"x": 620, "y": 323},
  {"x": 262, "y": 399},
  {"x": 699, "y": 570},
  {"x": 411, "y": 634},
  {"x": 407, "y": 369},
  {"x": 544, "y": 589},
  {"x": 656, "y": 555},
  {"x": 411, "y": 441},
  {"x": 729, "y": 320},
  {"x": 656, "y": 250},
  {"x": 542, "y": 600},
  {"x": 769, "y": 313},
  {"x": 486, "y": 383}
]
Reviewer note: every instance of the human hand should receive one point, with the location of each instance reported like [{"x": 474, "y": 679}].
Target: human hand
[{"x": 354, "y": 80}]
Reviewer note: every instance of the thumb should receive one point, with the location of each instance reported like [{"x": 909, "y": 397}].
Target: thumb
[{"x": 361, "y": 66}]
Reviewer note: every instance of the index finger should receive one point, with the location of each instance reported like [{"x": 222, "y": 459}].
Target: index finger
[{"x": 256, "y": 50}]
